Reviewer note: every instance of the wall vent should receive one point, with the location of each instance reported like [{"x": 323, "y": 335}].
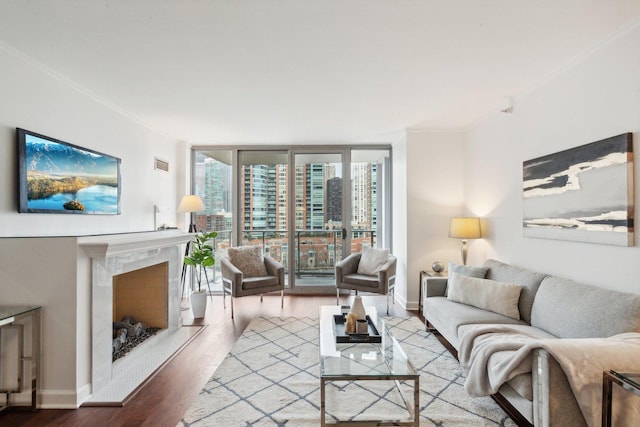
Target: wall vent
[{"x": 161, "y": 164}]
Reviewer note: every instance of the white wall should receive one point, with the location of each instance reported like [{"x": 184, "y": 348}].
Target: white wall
[
  {"x": 596, "y": 98},
  {"x": 399, "y": 217},
  {"x": 34, "y": 99},
  {"x": 434, "y": 188}
]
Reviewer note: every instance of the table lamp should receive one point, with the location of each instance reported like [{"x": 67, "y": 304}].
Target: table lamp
[{"x": 465, "y": 228}]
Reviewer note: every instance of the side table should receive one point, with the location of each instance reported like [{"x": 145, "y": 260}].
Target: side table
[
  {"x": 626, "y": 380},
  {"x": 15, "y": 317}
]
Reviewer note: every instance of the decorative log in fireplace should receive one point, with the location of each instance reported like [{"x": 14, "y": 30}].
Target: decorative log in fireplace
[{"x": 129, "y": 333}]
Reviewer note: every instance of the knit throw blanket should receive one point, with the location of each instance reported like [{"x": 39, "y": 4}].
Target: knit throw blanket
[{"x": 494, "y": 354}]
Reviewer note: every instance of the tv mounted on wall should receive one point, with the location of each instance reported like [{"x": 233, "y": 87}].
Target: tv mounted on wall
[{"x": 59, "y": 177}]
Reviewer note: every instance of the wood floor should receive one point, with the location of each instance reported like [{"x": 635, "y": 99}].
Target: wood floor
[{"x": 165, "y": 398}]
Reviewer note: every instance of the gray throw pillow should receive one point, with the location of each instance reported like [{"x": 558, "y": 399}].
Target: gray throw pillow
[
  {"x": 466, "y": 270},
  {"x": 249, "y": 260}
]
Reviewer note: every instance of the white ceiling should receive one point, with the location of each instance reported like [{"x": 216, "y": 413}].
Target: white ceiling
[{"x": 296, "y": 71}]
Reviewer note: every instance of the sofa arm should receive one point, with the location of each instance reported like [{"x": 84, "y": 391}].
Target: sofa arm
[
  {"x": 554, "y": 403},
  {"x": 435, "y": 287}
]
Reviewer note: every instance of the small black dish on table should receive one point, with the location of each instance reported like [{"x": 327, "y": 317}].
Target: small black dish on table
[{"x": 373, "y": 335}]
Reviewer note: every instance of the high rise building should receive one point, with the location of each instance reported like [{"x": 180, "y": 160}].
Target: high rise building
[
  {"x": 216, "y": 184},
  {"x": 333, "y": 211}
]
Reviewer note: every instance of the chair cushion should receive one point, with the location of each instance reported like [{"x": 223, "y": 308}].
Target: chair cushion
[
  {"x": 372, "y": 260},
  {"x": 362, "y": 280},
  {"x": 259, "y": 282},
  {"x": 249, "y": 260}
]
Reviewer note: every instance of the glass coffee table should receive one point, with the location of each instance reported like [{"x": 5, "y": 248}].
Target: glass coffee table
[{"x": 364, "y": 361}]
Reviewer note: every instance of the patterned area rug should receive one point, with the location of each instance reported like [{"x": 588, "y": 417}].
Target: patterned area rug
[{"x": 271, "y": 378}]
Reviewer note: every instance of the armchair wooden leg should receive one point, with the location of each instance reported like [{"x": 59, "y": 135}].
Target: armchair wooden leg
[
  {"x": 282, "y": 298},
  {"x": 337, "y": 296},
  {"x": 261, "y": 295},
  {"x": 231, "y": 298}
]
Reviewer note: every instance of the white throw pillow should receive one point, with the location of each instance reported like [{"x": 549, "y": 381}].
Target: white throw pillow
[
  {"x": 499, "y": 297},
  {"x": 372, "y": 260}
]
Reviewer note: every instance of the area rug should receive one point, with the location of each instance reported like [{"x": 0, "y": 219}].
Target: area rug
[{"x": 271, "y": 378}]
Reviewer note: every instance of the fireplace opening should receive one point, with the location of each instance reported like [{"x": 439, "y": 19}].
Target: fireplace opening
[{"x": 140, "y": 307}]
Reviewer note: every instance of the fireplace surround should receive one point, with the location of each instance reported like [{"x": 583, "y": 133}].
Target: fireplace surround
[
  {"x": 118, "y": 262},
  {"x": 71, "y": 277}
]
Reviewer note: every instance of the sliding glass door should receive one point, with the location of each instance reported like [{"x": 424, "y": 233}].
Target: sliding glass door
[
  {"x": 307, "y": 207},
  {"x": 320, "y": 218}
]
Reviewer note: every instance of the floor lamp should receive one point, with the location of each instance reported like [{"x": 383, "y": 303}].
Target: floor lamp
[
  {"x": 465, "y": 228},
  {"x": 189, "y": 203}
]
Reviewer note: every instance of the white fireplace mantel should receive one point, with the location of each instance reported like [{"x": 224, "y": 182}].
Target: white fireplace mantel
[{"x": 103, "y": 246}]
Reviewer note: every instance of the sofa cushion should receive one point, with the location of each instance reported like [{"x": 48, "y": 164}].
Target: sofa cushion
[
  {"x": 499, "y": 297},
  {"x": 529, "y": 280},
  {"x": 467, "y": 270},
  {"x": 574, "y": 310},
  {"x": 372, "y": 260},
  {"x": 447, "y": 316},
  {"x": 249, "y": 260}
]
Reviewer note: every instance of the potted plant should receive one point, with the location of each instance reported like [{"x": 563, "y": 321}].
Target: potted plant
[{"x": 200, "y": 257}]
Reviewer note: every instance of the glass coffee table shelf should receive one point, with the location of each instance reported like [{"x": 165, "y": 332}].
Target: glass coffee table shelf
[{"x": 384, "y": 361}]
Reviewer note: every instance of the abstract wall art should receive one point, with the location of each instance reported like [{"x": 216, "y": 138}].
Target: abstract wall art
[{"x": 582, "y": 194}]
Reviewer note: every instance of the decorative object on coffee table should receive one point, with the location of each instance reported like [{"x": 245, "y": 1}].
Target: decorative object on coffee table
[{"x": 357, "y": 308}]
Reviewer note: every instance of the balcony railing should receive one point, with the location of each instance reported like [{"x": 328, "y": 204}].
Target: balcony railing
[{"x": 316, "y": 252}]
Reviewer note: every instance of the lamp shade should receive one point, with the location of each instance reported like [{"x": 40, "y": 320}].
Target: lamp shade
[
  {"x": 191, "y": 203},
  {"x": 465, "y": 228}
]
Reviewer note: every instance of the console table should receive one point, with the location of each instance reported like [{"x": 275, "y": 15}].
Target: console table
[{"x": 17, "y": 317}]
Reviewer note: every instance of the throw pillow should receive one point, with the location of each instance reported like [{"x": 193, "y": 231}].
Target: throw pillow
[
  {"x": 249, "y": 260},
  {"x": 499, "y": 297},
  {"x": 479, "y": 272},
  {"x": 372, "y": 260}
]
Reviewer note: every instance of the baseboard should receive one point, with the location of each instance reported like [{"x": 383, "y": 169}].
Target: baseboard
[{"x": 59, "y": 399}]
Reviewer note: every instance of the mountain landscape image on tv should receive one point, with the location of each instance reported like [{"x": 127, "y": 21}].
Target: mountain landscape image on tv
[{"x": 59, "y": 177}]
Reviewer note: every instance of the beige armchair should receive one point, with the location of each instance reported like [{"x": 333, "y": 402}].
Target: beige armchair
[
  {"x": 381, "y": 282},
  {"x": 250, "y": 273}
]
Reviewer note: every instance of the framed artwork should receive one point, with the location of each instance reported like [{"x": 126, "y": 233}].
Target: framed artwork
[
  {"x": 582, "y": 194},
  {"x": 59, "y": 177}
]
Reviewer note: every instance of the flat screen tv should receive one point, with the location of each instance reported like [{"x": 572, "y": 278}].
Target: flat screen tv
[{"x": 59, "y": 177}]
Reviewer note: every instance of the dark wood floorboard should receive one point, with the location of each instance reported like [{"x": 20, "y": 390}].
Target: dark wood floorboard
[{"x": 166, "y": 397}]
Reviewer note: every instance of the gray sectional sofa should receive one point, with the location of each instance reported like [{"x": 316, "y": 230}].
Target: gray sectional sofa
[{"x": 551, "y": 307}]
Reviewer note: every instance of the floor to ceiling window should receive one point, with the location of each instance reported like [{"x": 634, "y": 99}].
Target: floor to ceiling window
[
  {"x": 307, "y": 207},
  {"x": 213, "y": 182}
]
